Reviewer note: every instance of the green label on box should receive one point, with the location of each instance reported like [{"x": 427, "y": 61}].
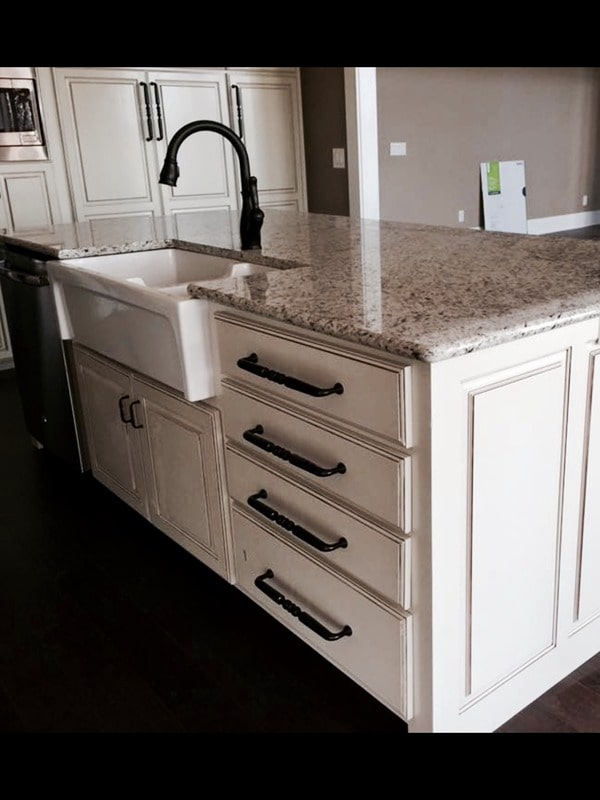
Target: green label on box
[{"x": 493, "y": 177}]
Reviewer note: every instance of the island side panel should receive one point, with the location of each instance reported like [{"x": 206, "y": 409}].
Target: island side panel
[{"x": 507, "y": 429}]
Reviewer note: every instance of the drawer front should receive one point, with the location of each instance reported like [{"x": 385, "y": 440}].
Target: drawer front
[
  {"x": 364, "y": 476},
  {"x": 372, "y": 646},
  {"x": 373, "y": 397},
  {"x": 360, "y": 551}
]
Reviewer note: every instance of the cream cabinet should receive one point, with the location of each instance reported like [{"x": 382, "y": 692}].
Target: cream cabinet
[
  {"x": 34, "y": 194},
  {"x": 457, "y": 579},
  {"x": 28, "y": 203},
  {"x": 431, "y": 529},
  {"x": 113, "y": 443},
  {"x": 116, "y": 124},
  {"x": 506, "y": 555},
  {"x": 266, "y": 111},
  {"x": 321, "y": 495},
  {"x": 158, "y": 453}
]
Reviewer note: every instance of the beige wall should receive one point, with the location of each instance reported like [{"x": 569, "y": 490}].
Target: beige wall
[
  {"x": 453, "y": 118},
  {"x": 324, "y": 120}
]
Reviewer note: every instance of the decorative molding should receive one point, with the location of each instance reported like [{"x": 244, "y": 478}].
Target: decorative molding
[
  {"x": 563, "y": 222},
  {"x": 362, "y": 141},
  {"x": 470, "y": 698}
]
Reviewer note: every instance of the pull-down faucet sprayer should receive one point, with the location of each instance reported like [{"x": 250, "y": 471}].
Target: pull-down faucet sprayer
[{"x": 252, "y": 216}]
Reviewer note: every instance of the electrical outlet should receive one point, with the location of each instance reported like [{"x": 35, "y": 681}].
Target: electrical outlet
[
  {"x": 584, "y": 200},
  {"x": 339, "y": 157},
  {"x": 461, "y": 215}
]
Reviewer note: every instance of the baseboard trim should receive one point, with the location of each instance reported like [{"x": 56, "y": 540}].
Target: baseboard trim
[{"x": 564, "y": 222}]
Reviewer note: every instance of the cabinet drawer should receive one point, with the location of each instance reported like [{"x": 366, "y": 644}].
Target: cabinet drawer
[
  {"x": 374, "y": 397},
  {"x": 363, "y": 475},
  {"x": 373, "y": 650},
  {"x": 362, "y": 552}
]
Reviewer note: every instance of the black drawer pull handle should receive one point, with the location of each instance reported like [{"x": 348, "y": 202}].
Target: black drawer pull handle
[
  {"x": 22, "y": 277},
  {"x": 133, "y": 421},
  {"x": 250, "y": 364},
  {"x": 124, "y": 419},
  {"x": 254, "y": 501},
  {"x": 158, "y": 111},
  {"x": 148, "y": 112},
  {"x": 296, "y": 611},
  {"x": 240, "y": 111},
  {"x": 253, "y": 436}
]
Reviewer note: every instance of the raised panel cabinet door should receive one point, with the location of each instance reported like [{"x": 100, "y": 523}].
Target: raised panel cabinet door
[
  {"x": 114, "y": 448},
  {"x": 517, "y": 425},
  {"x": 207, "y": 161},
  {"x": 27, "y": 202},
  {"x": 271, "y": 127},
  {"x": 184, "y": 467},
  {"x": 108, "y": 142}
]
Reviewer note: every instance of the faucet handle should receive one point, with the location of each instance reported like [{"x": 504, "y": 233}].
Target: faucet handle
[{"x": 253, "y": 191}]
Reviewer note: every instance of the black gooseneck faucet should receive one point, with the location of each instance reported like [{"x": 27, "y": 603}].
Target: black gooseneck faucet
[{"x": 252, "y": 216}]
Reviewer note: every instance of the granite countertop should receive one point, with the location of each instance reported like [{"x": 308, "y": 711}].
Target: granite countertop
[{"x": 413, "y": 290}]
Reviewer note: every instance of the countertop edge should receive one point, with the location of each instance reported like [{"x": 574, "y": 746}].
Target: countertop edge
[{"x": 404, "y": 348}]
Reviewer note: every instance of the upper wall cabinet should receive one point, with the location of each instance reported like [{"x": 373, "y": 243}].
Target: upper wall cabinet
[
  {"x": 34, "y": 194},
  {"x": 267, "y": 111},
  {"x": 116, "y": 124},
  {"x": 26, "y": 199}
]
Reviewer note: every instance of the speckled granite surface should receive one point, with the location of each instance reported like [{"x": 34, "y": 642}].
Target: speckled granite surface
[{"x": 414, "y": 290}]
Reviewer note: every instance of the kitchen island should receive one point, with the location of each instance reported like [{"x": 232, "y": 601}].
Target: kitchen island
[{"x": 469, "y": 431}]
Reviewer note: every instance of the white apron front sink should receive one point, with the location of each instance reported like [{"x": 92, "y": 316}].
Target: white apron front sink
[{"x": 134, "y": 308}]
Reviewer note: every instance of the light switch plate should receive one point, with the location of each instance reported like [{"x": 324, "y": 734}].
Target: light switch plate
[{"x": 397, "y": 148}]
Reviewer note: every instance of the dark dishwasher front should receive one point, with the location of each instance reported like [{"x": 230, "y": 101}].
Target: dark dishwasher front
[{"x": 39, "y": 360}]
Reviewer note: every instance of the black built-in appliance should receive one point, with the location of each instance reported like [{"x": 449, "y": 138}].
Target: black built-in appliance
[{"x": 41, "y": 367}]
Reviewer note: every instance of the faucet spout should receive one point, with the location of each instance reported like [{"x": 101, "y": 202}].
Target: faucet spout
[{"x": 252, "y": 216}]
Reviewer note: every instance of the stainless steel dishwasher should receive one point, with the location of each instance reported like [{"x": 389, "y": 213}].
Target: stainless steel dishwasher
[{"x": 41, "y": 367}]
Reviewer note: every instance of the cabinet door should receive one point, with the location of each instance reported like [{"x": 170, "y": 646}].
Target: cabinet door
[
  {"x": 25, "y": 200},
  {"x": 206, "y": 160},
  {"x": 515, "y": 458},
  {"x": 108, "y": 147},
  {"x": 271, "y": 113},
  {"x": 183, "y": 462},
  {"x": 114, "y": 447}
]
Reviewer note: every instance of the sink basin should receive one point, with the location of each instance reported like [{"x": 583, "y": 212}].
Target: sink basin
[
  {"x": 134, "y": 308},
  {"x": 169, "y": 270}
]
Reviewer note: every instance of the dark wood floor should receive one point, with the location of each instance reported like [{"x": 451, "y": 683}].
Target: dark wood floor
[
  {"x": 572, "y": 706},
  {"x": 106, "y": 626}
]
